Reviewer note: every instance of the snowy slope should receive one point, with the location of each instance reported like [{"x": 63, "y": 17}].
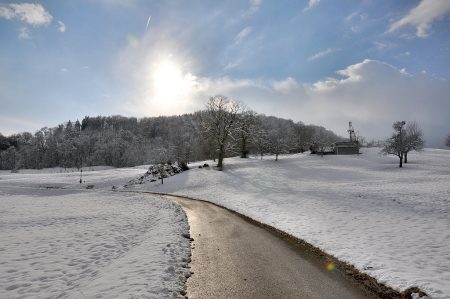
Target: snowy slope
[
  {"x": 391, "y": 223},
  {"x": 81, "y": 244}
]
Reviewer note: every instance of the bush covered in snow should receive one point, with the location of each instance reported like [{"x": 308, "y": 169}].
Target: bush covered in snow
[{"x": 157, "y": 172}]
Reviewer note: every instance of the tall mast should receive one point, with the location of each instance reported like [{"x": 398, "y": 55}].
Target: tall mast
[{"x": 351, "y": 131}]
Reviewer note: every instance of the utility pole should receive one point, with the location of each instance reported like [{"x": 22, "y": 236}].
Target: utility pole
[{"x": 401, "y": 145}]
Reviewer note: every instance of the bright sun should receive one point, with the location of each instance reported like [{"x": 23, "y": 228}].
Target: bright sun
[{"x": 170, "y": 85}]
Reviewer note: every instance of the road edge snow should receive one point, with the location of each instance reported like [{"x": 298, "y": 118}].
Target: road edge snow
[{"x": 185, "y": 261}]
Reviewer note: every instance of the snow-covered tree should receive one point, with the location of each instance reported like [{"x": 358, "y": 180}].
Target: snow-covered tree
[
  {"x": 302, "y": 136},
  {"x": 246, "y": 130},
  {"x": 4, "y": 142},
  {"x": 162, "y": 172},
  {"x": 413, "y": 139},
  {"x": 126, "y": 141},
  {"x": 396, "y": 144},
  {"x": 261, "y": 142},
  {"x": 278, "y": 143},
  {"x": 9, "y": 158},
  {"x": 321, "y": 139},
  {"x": 219, "y": 122}
]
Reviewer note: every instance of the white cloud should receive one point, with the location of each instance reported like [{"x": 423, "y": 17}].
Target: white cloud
[
  {"x": 165, "y": 78},
  {"x": 374, "y": 94},
  {"x": 232, "y": 65},
  {"x": 286, "y": 86},
  {"x": 311, "y": 4},
  {"x": 64, "y": 70},
  {"x": 6, "y": 12},
  {"x": 356, "y": 21},
  {"x": 404, "y": 54},
  {"x": 61, "y": 27},
  {"x": 24, "y": 33},
  {"x": 322, "y": 54},
  {"x": 356, "y": 16},
  {"x": 384, "y": 45},
  {"x": 243, "y": 34},
  {"x": 422, "y": 16},
  {"x": 254, "y": 6},
  {"x": 30, "y": 13}
]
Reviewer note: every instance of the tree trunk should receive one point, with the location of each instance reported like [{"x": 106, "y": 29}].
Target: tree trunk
[
  {"x": 14, "y": 161},
  {"x": 244, "y": 148},
  {"x": 406, "y": 157},
  {"x": 220, "y": 158},
  {"x": 276, "y": 157},
  {"x": 401, "y": 161}
]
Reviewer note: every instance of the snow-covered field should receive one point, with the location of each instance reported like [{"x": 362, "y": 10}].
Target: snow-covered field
[
  {"x": 391, "y": 223},
  {"x": 78, "y": 243}
]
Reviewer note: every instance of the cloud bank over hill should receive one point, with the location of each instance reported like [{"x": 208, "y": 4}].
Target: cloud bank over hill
[{"x": 371, "y": 93}]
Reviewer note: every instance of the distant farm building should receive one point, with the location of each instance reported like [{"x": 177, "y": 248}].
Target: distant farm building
[
  {"x": 346, "y": 148},
  {"x": 350, "y": 147}
]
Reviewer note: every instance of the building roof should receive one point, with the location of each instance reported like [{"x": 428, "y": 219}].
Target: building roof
[{"x": 345, "y": 144}]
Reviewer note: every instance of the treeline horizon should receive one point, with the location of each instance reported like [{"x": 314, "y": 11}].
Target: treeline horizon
[{"x": 121, "y": 141}]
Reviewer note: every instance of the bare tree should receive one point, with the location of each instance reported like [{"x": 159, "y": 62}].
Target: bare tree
[
  {"x": 447, "y": 142},
  {"x": 261, "y": 142},
  {"x": 395, "y": 145},
  {"x": 413, "y": 139},
  {"x": 121, "y": 141},
  {"x": 9, "y": 158},
  {"x": 219, "y": 122},
  {"x": 246, "y": 130},
  {"x": 321, "y": 140},
  {"x": 162, "y": 172},
  {"x": 302, "y": 136},
  {"x": 277, "y": 143}
]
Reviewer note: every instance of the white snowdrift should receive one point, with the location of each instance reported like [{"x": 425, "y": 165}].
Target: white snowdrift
[
  {"x": 391, "y": 223},
  {"x": 69, "y": 243}
]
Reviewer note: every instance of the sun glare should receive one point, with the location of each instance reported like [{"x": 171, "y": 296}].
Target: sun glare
[{"x": 170, "y": 85}]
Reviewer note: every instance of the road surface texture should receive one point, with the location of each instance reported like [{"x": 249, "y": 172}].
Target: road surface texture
[{"x": 233, "y": 258}]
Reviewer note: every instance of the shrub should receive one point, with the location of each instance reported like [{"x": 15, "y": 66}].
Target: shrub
[{"x": 184, "y": 166}]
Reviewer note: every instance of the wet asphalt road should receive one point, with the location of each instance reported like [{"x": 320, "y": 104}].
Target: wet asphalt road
[{"x": 233, "y": 258}]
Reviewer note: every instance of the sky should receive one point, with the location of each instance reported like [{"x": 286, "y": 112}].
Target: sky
[{"x": 322, "y": 62}]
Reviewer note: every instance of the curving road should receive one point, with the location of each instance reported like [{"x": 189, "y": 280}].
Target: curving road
[{"x": 233, "y": 258}]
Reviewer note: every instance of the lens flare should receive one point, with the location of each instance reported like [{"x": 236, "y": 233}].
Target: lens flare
[
  {"x": 330, "y": 266},
  {"x": 133, "y": 40}
]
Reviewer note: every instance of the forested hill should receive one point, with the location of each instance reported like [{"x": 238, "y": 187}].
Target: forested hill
[{"x": 127, "y": 141}]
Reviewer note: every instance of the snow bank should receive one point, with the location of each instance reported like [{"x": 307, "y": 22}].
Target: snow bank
[
  {"x": 67, "y": 243},
  {"x": 391, "y": 223},
  {"x": 156, "y": 172}
]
